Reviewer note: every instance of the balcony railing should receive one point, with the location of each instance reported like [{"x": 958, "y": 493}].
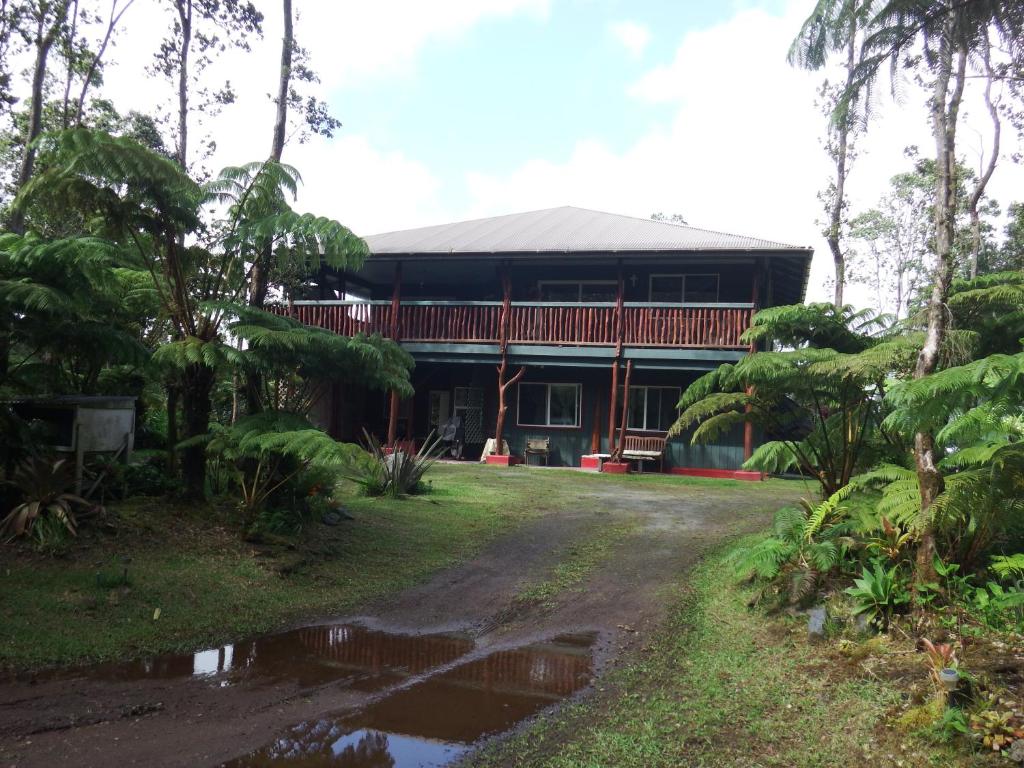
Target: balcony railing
[{"x": 644, "y": 324}]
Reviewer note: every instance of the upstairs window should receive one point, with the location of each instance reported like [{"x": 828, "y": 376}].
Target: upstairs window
[
  {"x": 548, "y": 405},
  {"x": 693, "y": 289},
  {"x": 577, "y": 290},
  {"x": 652, "y": 409}
]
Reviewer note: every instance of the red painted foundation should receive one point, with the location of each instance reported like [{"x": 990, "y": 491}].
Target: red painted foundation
[
  {"x": 725, "y": 474},
  {"x": 503, "y": 461},
  {"x": 615, "y": 467},
  {"x": 590, "y": 462}
]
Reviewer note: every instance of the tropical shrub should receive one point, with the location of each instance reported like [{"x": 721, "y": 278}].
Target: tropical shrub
[
  {"x": 807, "y": 543},
  {"x": 47, "y": 511},
  {"x": 270, "y": 452},
  {"x": 818, "y": 402},
  {"x": 393, "y": 473},
  {"x": 878, "y": 593}
]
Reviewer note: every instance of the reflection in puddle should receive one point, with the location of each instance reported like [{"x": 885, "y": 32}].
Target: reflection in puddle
[
  {"x": 365, "y": 658},
  {"x": 433, "y": 722}
]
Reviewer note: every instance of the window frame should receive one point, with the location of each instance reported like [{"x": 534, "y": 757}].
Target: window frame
[
  {"x": 547, "y": 404},
  {"x": 683, "y": 275},
  {"x": 647, "y": 388},
  {"x": 579, "y": 286}
]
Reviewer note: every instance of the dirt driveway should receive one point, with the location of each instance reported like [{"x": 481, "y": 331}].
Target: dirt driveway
[{"x": 602, "y": 567}]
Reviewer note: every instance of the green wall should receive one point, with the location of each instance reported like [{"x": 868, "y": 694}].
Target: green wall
[{"x": 567, "y": 444}]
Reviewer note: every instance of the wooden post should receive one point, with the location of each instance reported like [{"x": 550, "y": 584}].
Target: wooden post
[
  {"x": 617, "y": 455},
  {"x": 748, "y": 426},
  {"x": 612, "y": 408},
  {"x": 595, "y": 428},
  {"x": 396, "y": 299},
  {"x": 619, "y": 291},
  {"x": 503, "y": 385}
]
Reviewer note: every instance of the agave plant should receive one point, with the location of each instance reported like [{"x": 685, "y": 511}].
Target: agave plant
[
  {"x": 395, "y": 473},
  {"x": 48, "y": 507}
]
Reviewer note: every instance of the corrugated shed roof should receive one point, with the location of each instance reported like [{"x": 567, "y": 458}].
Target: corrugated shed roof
[{"x": 564, "y": 229}]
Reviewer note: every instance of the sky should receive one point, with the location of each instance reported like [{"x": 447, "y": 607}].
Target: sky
[{"x": 458, "y": 109}]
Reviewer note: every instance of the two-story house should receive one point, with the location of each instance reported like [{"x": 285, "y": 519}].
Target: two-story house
[{"x": 577, "y": 301}]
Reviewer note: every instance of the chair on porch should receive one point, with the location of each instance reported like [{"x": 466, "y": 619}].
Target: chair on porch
[
  {"x": 641, "y": 449},
  {"x": 538, "y": 446}
]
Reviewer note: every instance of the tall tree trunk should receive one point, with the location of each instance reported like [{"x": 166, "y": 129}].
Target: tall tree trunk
[
  {"x": 503, "y": 387},
  {"x": 281, "y": 119},
  {"x": 69, "y": 76},
  {"x": 185, "y": 17},
  {"x": 979, "y": 188},
  {"x": 835, "y": 224},
  {"x": 172, "y": 429},
  {"x": 90, "y": 75},
  {"x": 261, "y": 268},
  {"x": 197, "y": 384},
  {"x": 45, "y": 37},
  {"x": 945, "y": 105},
  {"x": 260, "y": 274}
]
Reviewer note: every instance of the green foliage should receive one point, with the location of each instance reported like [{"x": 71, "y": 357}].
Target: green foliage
[
  {"x": 1008, "y": 566},
  {"x": 63, "y": 314},
  {"x": 272, "y": 450},
  {"x": 295, "y": 362},
  {"x": 879, "y": 592},
  {"x": 807, "y": 544},
  {"x": 819, "y": 407},
  {"x": 47, "y": 510},
  {"x": 394, "y": 473},
  {"x": 998, "y": 726}
]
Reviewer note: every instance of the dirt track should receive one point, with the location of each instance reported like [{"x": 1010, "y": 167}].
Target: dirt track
[{"x": 194, "y": 722}]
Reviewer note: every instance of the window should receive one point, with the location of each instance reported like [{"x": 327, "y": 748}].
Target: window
[
  {"x": 577, "y": 290},
  {"x": 652, "y": 409},
  {"x": 695, "y": 289},
  {"x": 549, "y": 405}
]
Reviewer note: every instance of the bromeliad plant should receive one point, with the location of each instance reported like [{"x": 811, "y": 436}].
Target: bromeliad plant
[
  {"x": 48, "y": 510},
  {"x": 878, "y": 593}
]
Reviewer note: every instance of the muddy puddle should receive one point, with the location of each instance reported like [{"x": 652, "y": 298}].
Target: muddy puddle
[
  {"x": 361, "y": 658},
  {"x": 433, "y": 722}
]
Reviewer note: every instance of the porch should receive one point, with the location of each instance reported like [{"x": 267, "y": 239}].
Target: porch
[{"x": 640, "y": 324}]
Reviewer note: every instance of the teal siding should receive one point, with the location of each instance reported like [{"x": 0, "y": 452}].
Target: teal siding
[{"x": 568, "y": 444}]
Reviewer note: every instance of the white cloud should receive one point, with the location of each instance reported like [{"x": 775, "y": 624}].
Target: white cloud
[
  {"x": 348, "y": 177},
  {"x": 741, "y": 152},
  {"x": 355, "y": 42},
  {"x": 632, "y": 35},
  {"x": 368, "y": 190}
]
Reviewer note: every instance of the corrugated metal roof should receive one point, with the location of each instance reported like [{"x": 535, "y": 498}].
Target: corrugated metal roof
[{"x": 564, "y": 229}]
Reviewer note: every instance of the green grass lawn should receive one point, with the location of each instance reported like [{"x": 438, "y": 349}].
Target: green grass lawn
[
  {"x": 211, "y": 587},
  {"x": 722, "y": 685}
]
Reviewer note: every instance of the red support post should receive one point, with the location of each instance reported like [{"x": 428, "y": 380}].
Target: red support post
[
  {"x": 396, "y": 297},
  {"x": 617, "y": 453},
  {"x": 748, "y": 426}
]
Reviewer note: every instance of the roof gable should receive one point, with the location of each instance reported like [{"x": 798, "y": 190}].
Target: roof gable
[{"x": 564, "y": 229}]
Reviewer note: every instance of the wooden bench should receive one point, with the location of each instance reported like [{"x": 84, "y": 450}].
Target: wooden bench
[
  {"x": 641, "y": 449},
  {"x": 538, "y": 446}
]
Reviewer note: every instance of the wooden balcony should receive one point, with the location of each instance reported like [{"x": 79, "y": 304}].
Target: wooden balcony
[{"x": 643, "y": 324}]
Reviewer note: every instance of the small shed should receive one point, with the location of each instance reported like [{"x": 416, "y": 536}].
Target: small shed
[{"x": 81, "y": 424}]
